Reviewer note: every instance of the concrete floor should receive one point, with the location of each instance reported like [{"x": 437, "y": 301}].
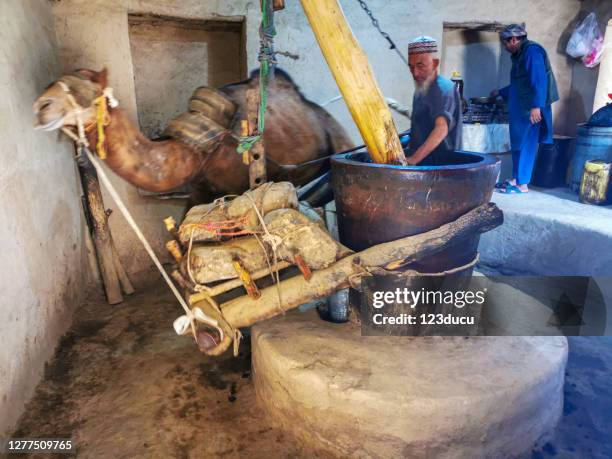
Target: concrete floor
[{"x": 123, "y": 384}]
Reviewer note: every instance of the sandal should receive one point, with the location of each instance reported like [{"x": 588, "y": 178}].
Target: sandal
[
  {"x": 503, "y": 185},
  {"x": 512, "y": 189}
]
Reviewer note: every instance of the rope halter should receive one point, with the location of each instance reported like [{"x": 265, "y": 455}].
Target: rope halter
[{"x": 102, "y": 117}]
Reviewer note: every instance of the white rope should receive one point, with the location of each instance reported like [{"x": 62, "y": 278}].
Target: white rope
[
  {"x": 185, "y": 322},
  {"x": 191, "y": 315},
  {"x": 274, "y": 242}
]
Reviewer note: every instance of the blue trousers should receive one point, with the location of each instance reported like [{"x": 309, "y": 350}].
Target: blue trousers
[{"x": 523, "y": 160}]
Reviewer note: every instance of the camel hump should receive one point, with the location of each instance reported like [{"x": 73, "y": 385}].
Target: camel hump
[
  {"x": 213, "y": 104},
  {"x": 206, "y": 123}
]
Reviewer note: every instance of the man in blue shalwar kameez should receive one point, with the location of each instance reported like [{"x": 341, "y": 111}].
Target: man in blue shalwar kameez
[{"x": 530, "y": 94}]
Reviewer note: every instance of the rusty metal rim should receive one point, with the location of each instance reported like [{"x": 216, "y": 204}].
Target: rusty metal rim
[{"x": 485, "y": 160}]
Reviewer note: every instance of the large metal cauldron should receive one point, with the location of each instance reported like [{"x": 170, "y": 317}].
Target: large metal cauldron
[{"x": 379, "y": 203}]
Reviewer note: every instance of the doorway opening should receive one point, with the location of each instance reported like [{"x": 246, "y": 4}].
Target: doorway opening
[
  {"x": 475, "y": 51},
  {"x": 173, "y": 56}
]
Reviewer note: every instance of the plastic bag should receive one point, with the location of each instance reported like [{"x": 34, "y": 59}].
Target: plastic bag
[{"x": 586, "y": 42}]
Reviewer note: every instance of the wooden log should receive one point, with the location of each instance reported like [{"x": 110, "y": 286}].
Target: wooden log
[
  {"x": 488, "y": 26},
  {"x": 351, "y": 70},
  {"x": 100, "y": 231},
  {"x": 124, "y": 280},
  {"x": 181, "y": 281},
  {"x": 244, "y": 311},
  {"x": 257, "y": 156},
  {"x": 174, "y": 249}
]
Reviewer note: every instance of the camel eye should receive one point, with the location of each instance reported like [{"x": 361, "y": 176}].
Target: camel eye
[{"x": 45, "y": 104}]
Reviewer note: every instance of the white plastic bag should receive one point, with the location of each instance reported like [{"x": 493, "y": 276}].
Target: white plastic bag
[{"x": 586, "y": 41}]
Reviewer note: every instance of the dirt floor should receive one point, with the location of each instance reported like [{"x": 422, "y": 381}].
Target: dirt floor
[{"x": 124, "y": 385}]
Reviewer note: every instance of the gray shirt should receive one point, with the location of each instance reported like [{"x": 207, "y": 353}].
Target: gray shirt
[{"x": 440, "y": 99}]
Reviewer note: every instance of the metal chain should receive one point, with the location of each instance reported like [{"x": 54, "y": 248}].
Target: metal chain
[{"x": 375, "y": 23}]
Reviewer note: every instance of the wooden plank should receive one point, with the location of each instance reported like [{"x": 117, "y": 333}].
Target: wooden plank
[
  {"x": 257, "y": 156},
  {"x": 124, "y": 280},
  {"x": 487, "y": 26},
  {"x": 351, "y": 70},
  {"x": 100, "y": 231}
]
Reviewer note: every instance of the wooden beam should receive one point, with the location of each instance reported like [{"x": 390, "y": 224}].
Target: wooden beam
[
  {"x": 257, "y": 154},
  {"x": 485, "y": 26},
  {"x": 100, "y": 233},
  {"x": 351, "y": 70},
  {"x": 244, "y": 311}
]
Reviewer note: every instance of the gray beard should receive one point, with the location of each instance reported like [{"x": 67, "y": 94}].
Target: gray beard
[{"x": 422, "y": 88}]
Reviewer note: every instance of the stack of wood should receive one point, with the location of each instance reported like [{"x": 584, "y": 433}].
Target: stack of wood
[
  {"x": 231, "y": 244},
  {"x": 217, "y": 265}
]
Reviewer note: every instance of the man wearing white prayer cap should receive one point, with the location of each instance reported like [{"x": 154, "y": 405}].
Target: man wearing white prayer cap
[{"x": 436, "y": 108}]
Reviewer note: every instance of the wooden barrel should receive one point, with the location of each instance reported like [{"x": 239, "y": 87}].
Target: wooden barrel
[{"x": 592, "y": 142}]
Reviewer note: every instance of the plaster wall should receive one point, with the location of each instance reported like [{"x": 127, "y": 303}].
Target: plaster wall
[
  {"x": 94, "y": 33},
  {"x": 584, "y": 80},
  {"x": 478, "y": 57},
  {"x": 42, "y": 252},
  {"x": 182, "y": 55}
]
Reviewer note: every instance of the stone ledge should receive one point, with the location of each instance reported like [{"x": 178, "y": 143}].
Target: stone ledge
[{"x": 549, "y": 233}]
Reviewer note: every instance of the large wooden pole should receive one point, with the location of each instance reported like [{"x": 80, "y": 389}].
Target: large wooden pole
[{"x": 351, "y": 69}]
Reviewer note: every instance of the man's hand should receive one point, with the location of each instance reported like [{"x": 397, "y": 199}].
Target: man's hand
[
  {"x": 535, "y": 116},
  {"x": 411, "y": 161}
]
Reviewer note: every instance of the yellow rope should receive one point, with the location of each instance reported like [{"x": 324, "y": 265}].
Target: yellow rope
[{"x": 102, "y": 120}]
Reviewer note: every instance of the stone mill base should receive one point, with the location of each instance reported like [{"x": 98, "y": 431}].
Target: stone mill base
[{"x": 452, "y": 397}]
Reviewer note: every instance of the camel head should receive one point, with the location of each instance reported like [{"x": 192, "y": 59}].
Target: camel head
[{"x": 56, "y": 108}]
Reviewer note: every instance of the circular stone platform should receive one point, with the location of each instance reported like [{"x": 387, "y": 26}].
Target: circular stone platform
[{"x": 345, "y": 394}]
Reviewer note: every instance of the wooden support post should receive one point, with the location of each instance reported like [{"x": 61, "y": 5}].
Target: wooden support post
[
  {"x": 175, "y": 250},
  {"x": 100, "y": 232},
  {"x": 124, "y": 280},
  {"x": 351, "y": 70},
  {"x": 257, "y": 156},
  {"x": 246, "y": 279}
]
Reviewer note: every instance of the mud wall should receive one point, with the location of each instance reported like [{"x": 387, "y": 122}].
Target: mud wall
[{"x": 42, "y": 251}]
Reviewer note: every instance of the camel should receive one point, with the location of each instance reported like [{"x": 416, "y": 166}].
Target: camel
[{"x": 297, "y": 131}]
